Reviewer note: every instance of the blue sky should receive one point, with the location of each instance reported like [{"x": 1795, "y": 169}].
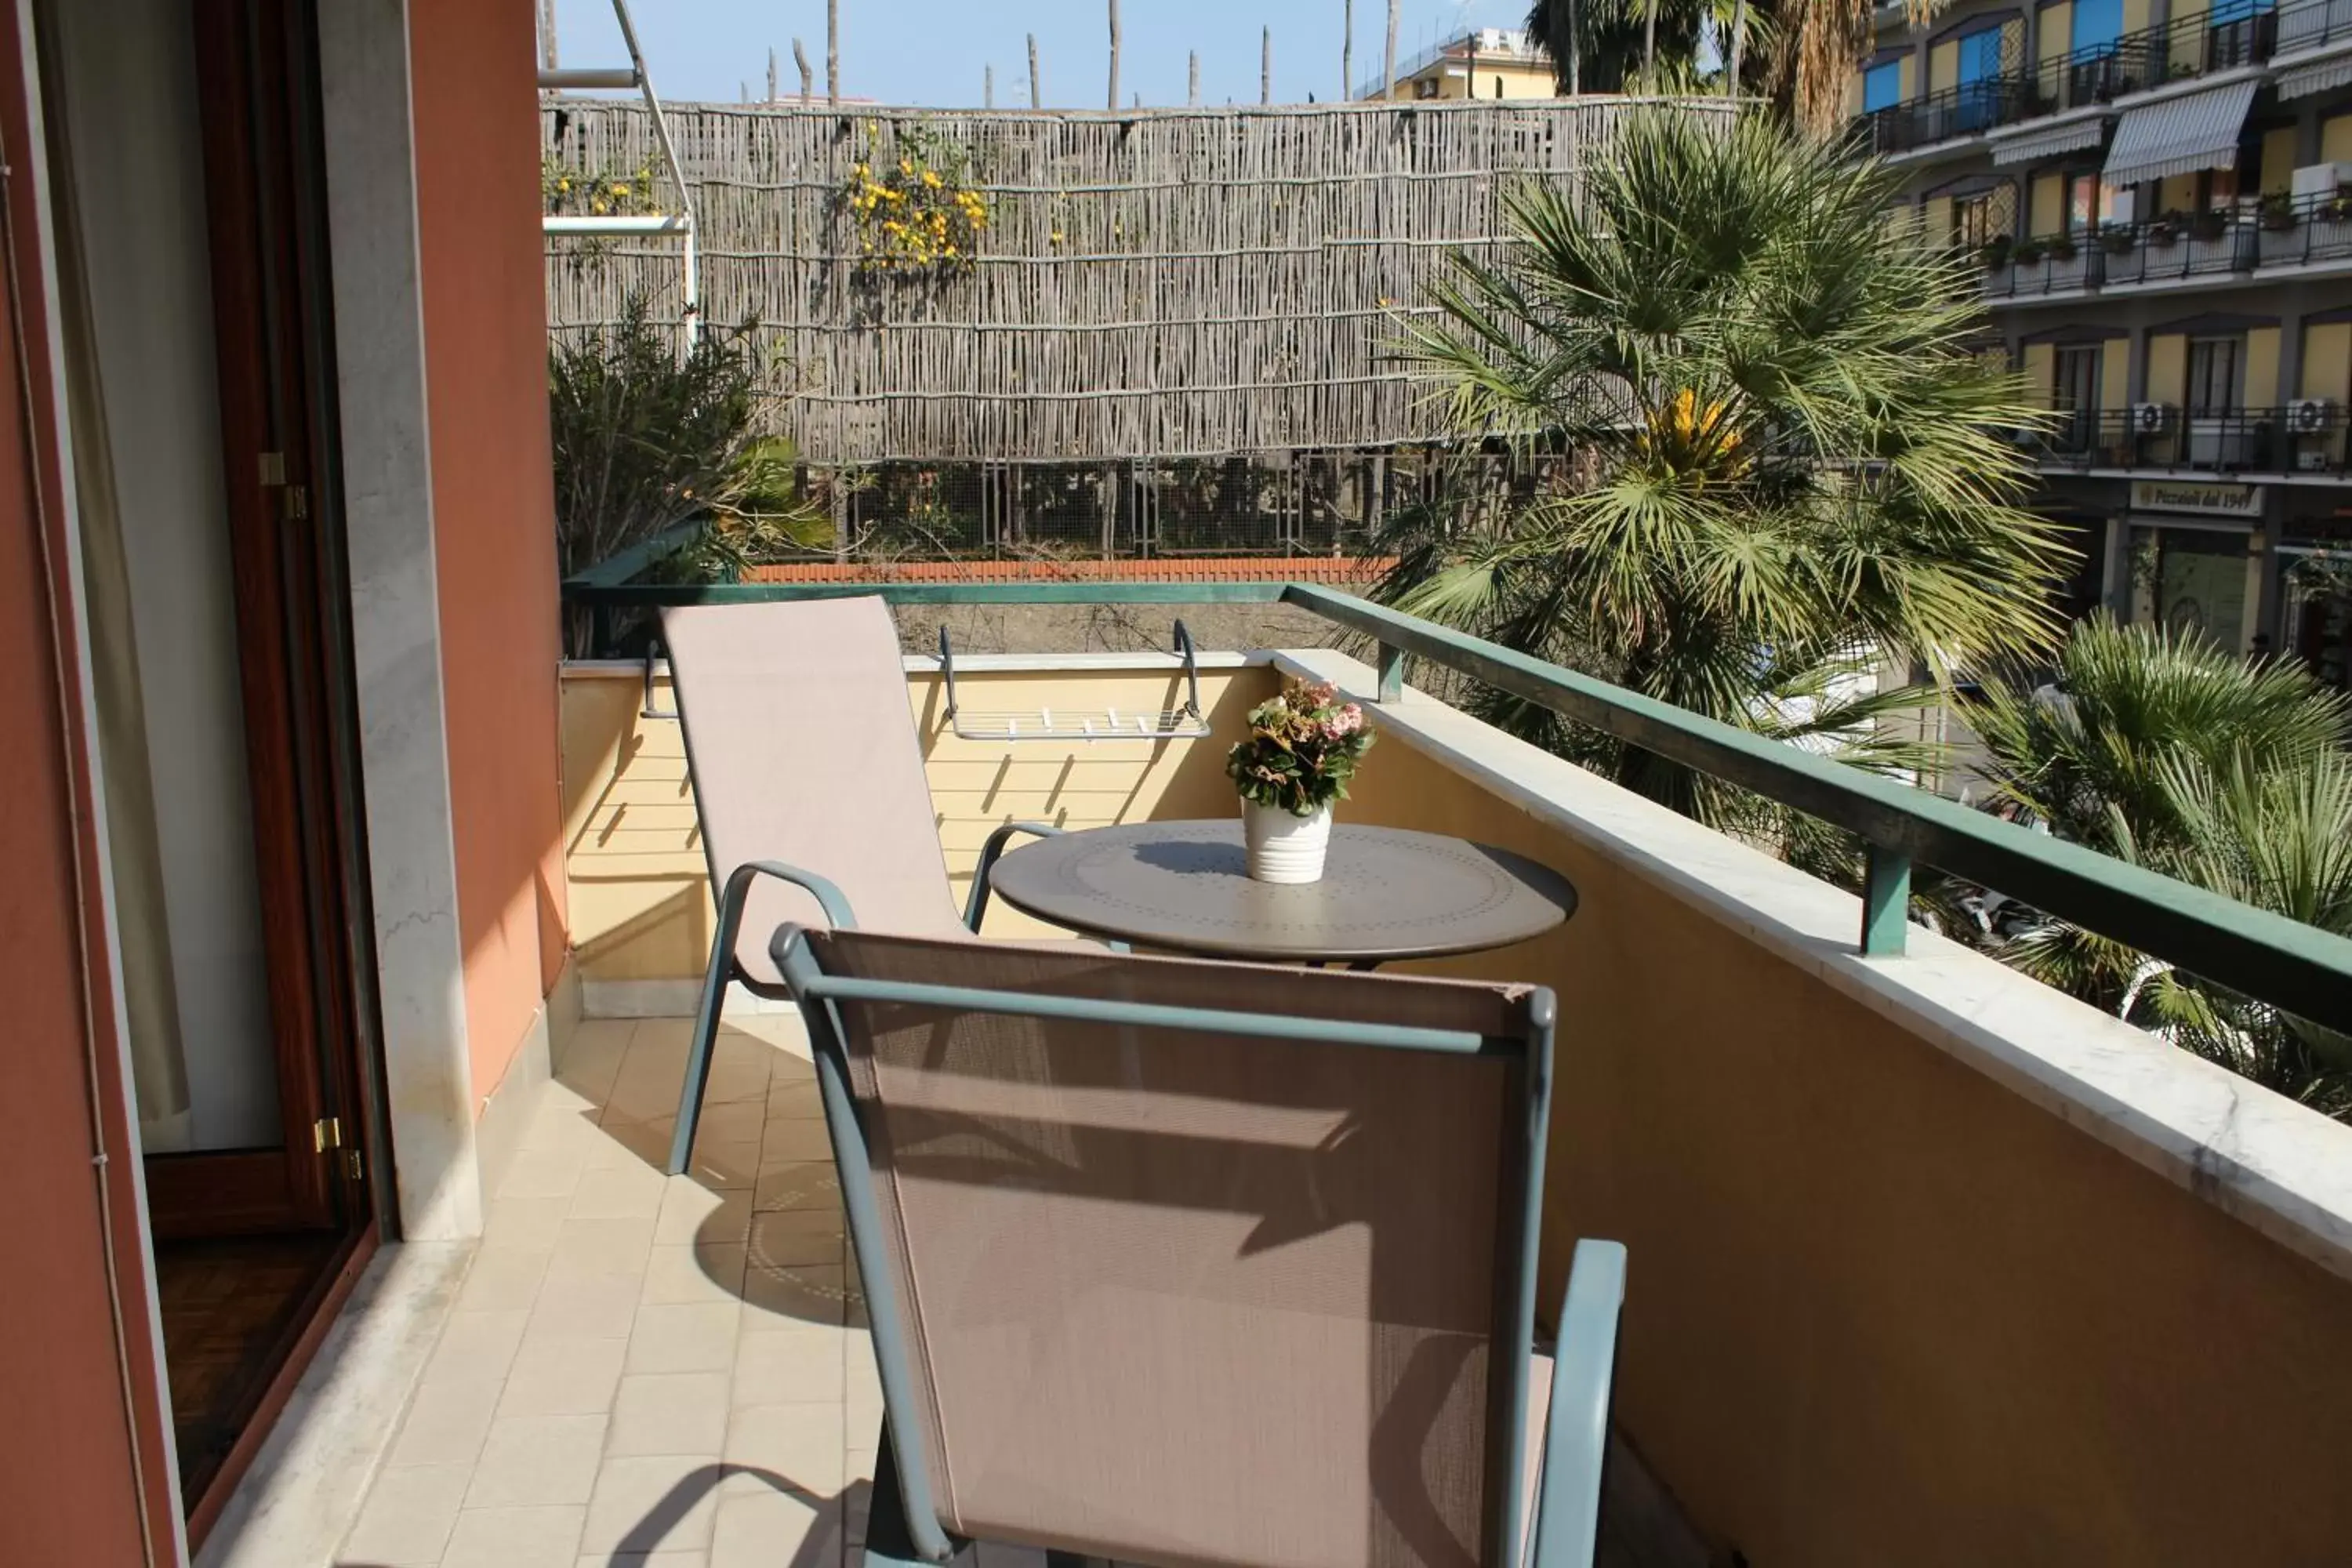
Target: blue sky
[{"x": 931, "y": 51}]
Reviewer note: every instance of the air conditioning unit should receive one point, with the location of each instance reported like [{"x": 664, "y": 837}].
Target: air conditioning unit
[
  {"x": 2313, "y": 460},
  {"x": 2320, "y": 180},
  {"x": 2310, "y": 416},
  {"x": 2152, "y": 418}
]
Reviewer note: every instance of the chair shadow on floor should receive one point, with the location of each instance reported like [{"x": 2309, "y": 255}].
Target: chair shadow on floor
[{"x": 821, "y": 1547}]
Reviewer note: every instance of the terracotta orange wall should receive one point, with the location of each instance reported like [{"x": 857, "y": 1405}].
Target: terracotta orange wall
[
  {"x": 472, "y": 67},
  {"x": 68, "y": 1487}
]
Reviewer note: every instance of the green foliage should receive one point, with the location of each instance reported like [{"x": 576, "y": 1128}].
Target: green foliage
[
  {"x": 1793, "y": 470},
  {"x": 2180, "y": 756},
  {"x": 2098, "y": 759},
  {"x": 647, "y": 436},
  {"x": 1303, "y": 747}
]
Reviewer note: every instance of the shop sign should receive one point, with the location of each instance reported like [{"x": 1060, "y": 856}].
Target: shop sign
[{"x": 2205, "y": 500}]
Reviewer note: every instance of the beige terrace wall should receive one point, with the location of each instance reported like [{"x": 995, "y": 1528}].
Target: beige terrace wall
[
  {"x": 641, "y": 907},
  {"x": 1883, "y": 1309}
]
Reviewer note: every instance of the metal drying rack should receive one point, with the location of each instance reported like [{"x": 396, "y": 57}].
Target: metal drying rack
[{"x": 1184, "y": 724}]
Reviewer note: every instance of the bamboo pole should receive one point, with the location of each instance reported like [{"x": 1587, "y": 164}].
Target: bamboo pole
[
  {"x": 808, "y": 77},
  {"x": 833, "y": 52},
  {"x": 1650, "y": 45},
  {"x": 1113, "y": 101},
  {"x": 548, "y": 55},
  {"x": 1387, "y": 61},
  {"x": 1193, "y": 81},
  {"x": 1036, "y": 83},
  {"x": 1739, "y": 46},
  {"x": 772, "y": 73},
  {"x": 1347, "y": 49},
  {"x": 988, "y": 87},
  {"x": 1575, "y": 47},
  {"x": 1265, "y": 67}
]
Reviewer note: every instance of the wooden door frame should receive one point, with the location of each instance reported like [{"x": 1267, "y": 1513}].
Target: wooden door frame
[{"x": 272, "y": 348}]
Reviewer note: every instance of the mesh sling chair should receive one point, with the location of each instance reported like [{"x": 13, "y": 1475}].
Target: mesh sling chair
[
  {"x": 1170, "y": 1261},
  {"x": 801, "y": 750}
]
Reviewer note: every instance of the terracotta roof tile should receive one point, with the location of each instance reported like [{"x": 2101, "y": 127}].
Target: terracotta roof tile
[{"x": 1165, "y": 569}]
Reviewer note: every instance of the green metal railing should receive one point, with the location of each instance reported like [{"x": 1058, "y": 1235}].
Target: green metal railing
[{"x": 2297, "y": 967}]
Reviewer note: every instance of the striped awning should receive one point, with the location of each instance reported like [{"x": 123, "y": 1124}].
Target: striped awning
[
  {"x": 2300, "y": 81},
  {"x": 2181, "y": 135},
  {"x": 2072, "y": 137}
]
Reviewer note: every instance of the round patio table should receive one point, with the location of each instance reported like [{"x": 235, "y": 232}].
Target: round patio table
[{"x": 1184, "y": 886}]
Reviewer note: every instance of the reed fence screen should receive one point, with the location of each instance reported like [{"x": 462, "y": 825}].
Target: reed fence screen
[{"x": 1155, "y": 286}]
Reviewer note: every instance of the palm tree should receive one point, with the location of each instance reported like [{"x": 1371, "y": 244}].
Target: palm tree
[
  {"x": 2178, "y": 756},
  {"x": 2094, "y": 755},
  {"x": 1807, "y": 49},
  {"x": 1792, "y": 464}
]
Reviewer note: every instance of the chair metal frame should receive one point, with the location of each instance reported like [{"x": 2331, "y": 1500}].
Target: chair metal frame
[{"x": 904, "y": 1528}]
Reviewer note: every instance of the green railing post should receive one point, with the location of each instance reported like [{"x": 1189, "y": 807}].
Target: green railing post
[
  {"x": 1886, "y": 901},
  {"x": 1392, "y": 672}
]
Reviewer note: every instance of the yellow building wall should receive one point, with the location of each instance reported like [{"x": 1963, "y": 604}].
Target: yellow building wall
[
  {"x": 2056, "y": 37},
  {"x": 2327, "y": 361},
  {"x": 2041, "y": 378},
  {"x": 2168, "y": 367},
  {"x": 2278, "y": 160},
  {"x": 2136, "y": 15},
  {"x": 2262, "y": 367},
  {"x": 1936, "y": 220},
  {"x": 2178, "y": 193},
  {"x": 2187, "y": 41},
  {"x": 641, "y": 904},
  {"x": 2335, "y": 140},
  {"x": 1943, "y": 67},
  {"x": 2046, "y": 205},
  {"x": 2114, "y": 375}
]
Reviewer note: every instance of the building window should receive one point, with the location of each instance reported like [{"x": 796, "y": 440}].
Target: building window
[
  {"x": 2076, "y": 383},
  {"x": 1978, "y": 220},
  {"x": 2074, "y": 395},
  {"x": 1498, "y": 86},
  {"x": 1425, "y": 87},
  {"x": 2090, "y": 202},
  {"x": 2213, "y": 376},
  {"x": 2097, "y": 23},
  {"x": 1882, "y": 87}
]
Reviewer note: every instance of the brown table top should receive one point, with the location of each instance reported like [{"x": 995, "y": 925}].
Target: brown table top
[{"x": 1386, "y": 893}]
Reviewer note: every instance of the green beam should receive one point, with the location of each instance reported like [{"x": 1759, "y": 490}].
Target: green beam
[
  {"x": 649, "y": 595},
  {"x": 2299, "y": 967},
  {"x": 1886, "y": 901}
]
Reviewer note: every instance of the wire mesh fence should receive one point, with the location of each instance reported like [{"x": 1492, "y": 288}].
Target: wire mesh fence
[{"x": 1320, "y": 501}]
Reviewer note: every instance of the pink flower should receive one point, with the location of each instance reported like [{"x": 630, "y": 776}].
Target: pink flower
[{"x": 1344, "y": 722}]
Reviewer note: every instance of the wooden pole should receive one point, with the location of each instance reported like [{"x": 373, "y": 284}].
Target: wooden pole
[
  {"x": 1193, "y": 81},
  {"x": 1113, "y": 102},
  {"x": 1036, "y": 87},
  {"x": 833, "y": 51},
  {"x": 808, "y": 77},
  {"x": 1388, "y": 62},
  {"x": 1266, "y": 65},
  {"x": 988, "y": 87},
  {"x": 1739, "y": 46},
  {"x": 1575, "y": 48},
  {"x": 1650, "y": 45},
  {"x": 1347, "y": 49},
  {"x": 547, "y": 52},
  {"x": 772, "y": 73}
]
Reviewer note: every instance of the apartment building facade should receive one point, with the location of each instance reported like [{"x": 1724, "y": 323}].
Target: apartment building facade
[{"x": 2158, "y": 197}]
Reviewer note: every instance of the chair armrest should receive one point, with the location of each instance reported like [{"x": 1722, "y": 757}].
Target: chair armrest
[
  {"x": 990, "y": 853},
  {"x": 1576, "y": 1434},
  {"x": 830, "y": 898}
]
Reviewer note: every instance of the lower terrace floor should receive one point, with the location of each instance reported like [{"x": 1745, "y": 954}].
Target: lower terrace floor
[{"x": 643, "y": 1370}]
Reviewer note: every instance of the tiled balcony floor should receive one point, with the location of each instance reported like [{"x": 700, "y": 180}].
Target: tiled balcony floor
[{"x": 646, "y": 1371}]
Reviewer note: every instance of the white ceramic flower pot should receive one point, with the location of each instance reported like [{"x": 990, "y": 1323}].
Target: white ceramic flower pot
[{"x": 1283, "y": 848}]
